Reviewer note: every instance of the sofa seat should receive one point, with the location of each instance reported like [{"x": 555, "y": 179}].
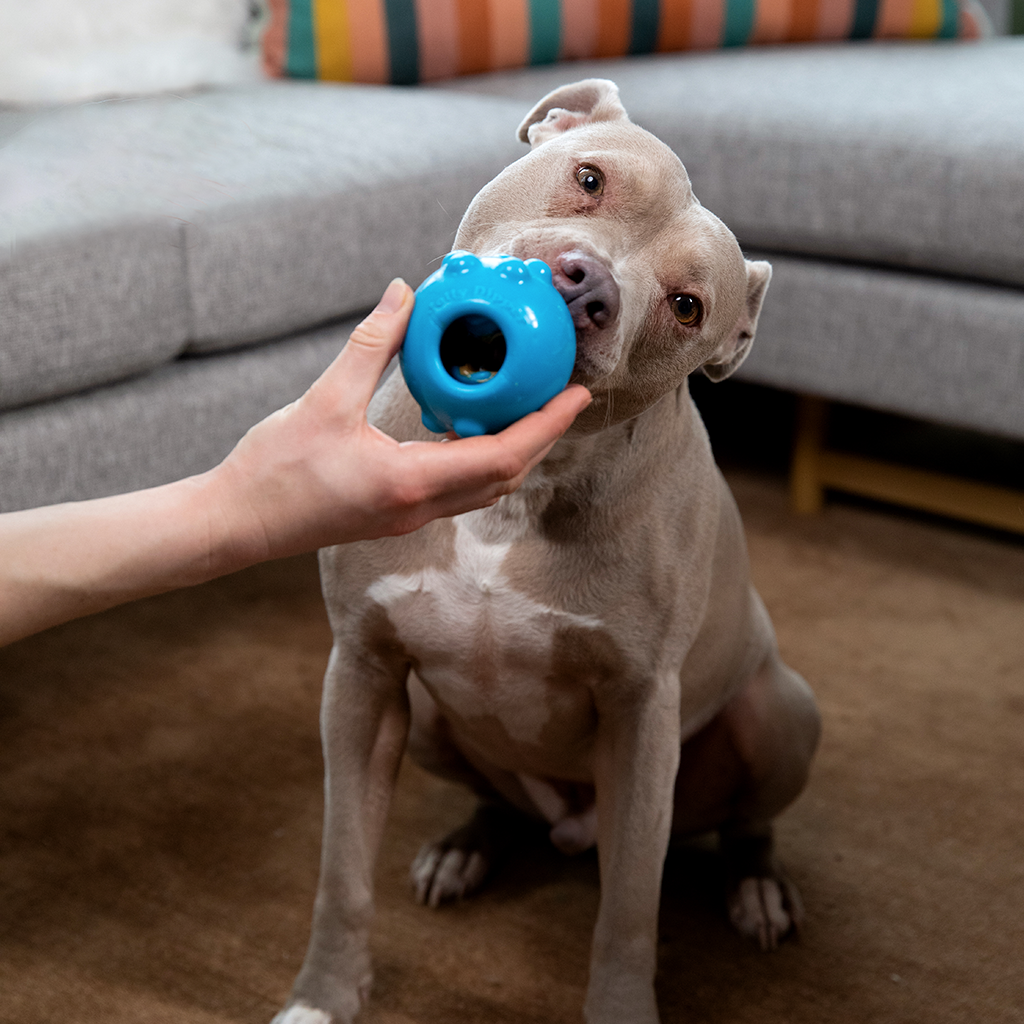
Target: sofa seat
[{"x": 157, "y": 247}]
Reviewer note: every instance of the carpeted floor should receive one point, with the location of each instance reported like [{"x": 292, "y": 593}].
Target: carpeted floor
[{"x": 160, "y": 810}]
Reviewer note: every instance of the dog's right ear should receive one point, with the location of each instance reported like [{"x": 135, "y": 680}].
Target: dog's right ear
[
  {"x": 735, "y": 348},
  {"x": 593, "y": 99}
]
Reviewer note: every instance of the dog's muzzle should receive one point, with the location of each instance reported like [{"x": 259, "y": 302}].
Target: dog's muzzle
[{"x": 589, "y": 289}]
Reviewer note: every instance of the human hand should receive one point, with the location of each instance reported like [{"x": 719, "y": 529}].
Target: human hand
[{"x": 317, "y": 473}]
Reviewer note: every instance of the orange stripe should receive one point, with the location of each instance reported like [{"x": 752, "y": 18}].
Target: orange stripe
[
  {"x": 674, "y": 25},
  {"x": 510, "y": 33},
  {"x": 437, "y": 26},
  {"x": 275, "y": 39},
  {"x": 579, "y": 29},
  {"x": 474, "y": 36},
  {"x": 708, "y": 16},
  {"x": 370, "y": 60},
  {"x": 804, "y": 23},
  {"x": 771, "y": 21},
  {"x": 894, "y": 18},
  {"x": 614, "y": 25},
  {"x": 835, "y": 19}
]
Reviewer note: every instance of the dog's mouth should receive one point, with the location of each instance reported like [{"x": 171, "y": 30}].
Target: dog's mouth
[{"x": 591, "y": 292}]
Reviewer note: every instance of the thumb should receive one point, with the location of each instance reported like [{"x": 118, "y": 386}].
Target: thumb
[{"x": 353, "y": 376}]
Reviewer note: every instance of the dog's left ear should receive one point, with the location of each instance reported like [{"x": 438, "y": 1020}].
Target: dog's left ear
[
  {"x": 727, "y": 358},
  {"x": 593, "y": 99}
]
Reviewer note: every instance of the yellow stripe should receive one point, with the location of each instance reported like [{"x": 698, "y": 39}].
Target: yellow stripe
[
  {"x": 925, "y": 19},
  {"x": 333, "y": 40}
]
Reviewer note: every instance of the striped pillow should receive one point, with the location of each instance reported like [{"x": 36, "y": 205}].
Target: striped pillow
[{"x": 409, "y": 41}]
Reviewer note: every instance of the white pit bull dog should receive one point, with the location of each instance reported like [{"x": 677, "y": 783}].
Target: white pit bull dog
[{"x": 590, "y": 650}]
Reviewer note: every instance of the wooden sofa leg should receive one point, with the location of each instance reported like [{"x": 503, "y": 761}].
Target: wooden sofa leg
[
  {"x": 815, "y": 468},
  {"x": 806, "y": 490}
]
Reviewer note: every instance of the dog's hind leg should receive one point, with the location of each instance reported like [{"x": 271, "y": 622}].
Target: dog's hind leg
[
  {"x": 774, "y": 726},
  {"x": 456, "y": 865}
]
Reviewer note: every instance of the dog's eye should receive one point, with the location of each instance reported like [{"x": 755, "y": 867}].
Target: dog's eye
[
  {"x": 687, "y": 309},
  {"x": 590, "y": 180}
]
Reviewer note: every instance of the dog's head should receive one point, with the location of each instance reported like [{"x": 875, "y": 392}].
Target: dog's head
[{"x": 656, "y": 284}]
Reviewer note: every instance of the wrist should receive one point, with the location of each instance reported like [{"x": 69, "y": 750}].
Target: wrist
[{"x": 235, "y": 534}]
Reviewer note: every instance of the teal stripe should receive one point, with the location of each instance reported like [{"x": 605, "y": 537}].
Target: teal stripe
[
  {"x": 403, "y": 45},
  {"x": 738, "y": 22},
  {"x": 865, "y": 14},
  {"x": 301, "y": 45},
  {"x": 545, "y": 31},
  {"x": 950, "y": 24},
  {"x": 644, "y": 36}
]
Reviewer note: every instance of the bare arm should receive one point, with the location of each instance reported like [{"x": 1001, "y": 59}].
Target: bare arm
[{"x": 312, "y": 474}]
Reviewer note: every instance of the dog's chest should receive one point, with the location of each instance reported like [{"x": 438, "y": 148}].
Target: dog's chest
[{"x": 483, "y": 647}]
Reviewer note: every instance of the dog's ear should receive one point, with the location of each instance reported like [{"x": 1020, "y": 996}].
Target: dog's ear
[
  {"x": 727, "y": 358},
  {"x": 593, "y": 99}
]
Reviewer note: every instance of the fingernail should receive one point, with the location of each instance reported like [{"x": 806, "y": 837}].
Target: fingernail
[{"x": 391, "y": 300}]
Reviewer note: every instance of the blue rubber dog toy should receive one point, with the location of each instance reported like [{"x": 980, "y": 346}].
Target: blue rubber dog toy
[{"x": 489, "y": 340}]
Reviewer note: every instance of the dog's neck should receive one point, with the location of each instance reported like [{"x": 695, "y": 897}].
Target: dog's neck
[{"x": 598, "y": 481}]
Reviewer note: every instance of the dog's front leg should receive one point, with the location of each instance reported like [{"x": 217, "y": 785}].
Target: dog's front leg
[
  {"x": 636, "y": 759},
  {"x": 364, "y": 725}
]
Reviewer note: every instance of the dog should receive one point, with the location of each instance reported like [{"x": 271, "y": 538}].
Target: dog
[{"x": 588, "y": 651}]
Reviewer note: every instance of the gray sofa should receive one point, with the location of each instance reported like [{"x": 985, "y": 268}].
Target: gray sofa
[{"x": 174, "y": 268}]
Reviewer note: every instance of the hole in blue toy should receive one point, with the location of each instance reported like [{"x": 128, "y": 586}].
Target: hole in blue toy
[{"x": 472, "y": 349}]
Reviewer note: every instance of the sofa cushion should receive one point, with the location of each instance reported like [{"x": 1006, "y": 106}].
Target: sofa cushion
[
  {"x": 172, "y": 422},
  {"x": 905, "y": 154},
  {"x": 86, "y": 305},
  {"x": 854, "y": 333},
  {"x": 406, "y": 42},
  {"x": 332, "y": 192},
  {"x": 133, "y": 231}
]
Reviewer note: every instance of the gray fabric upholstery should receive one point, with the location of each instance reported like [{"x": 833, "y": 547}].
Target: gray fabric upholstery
[
  {"x": 135, "y": 230},
  {"x": 908, "y": 154},
  {"x": 885, "y": 181},
  {"x": 944, "y": 350},
  {"x": 350, "y": 187},
  {"x": 87, "y": 307},
  {"x": 173, "y": 422}
]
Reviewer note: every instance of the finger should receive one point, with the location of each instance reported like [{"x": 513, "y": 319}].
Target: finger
[
  {"x": 354, "y": 375},
  {"x": 532, "y": 437},
  {"x": 473, "y": 471}
]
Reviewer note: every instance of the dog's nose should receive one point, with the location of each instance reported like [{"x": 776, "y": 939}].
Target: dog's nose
[{"x": 588, "y": 288}]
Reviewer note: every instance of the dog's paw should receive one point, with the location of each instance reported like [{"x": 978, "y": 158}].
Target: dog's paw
[
  {"x": 457, "y": 865},
  {"x": 300, "y": 1013},
  {"x": 766, "y": 909},
  {"x": 442, "y": 872}
]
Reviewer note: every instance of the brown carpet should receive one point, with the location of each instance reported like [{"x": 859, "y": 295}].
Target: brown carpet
[{"x": 160, "y": 810}]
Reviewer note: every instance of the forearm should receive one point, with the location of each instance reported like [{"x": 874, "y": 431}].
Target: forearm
[
  {"x": 70, "y": 560},
  {"x": 310, "y": 475}
]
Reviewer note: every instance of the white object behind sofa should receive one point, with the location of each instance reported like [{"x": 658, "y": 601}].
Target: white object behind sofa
[{"x": 60, "y": 51}]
